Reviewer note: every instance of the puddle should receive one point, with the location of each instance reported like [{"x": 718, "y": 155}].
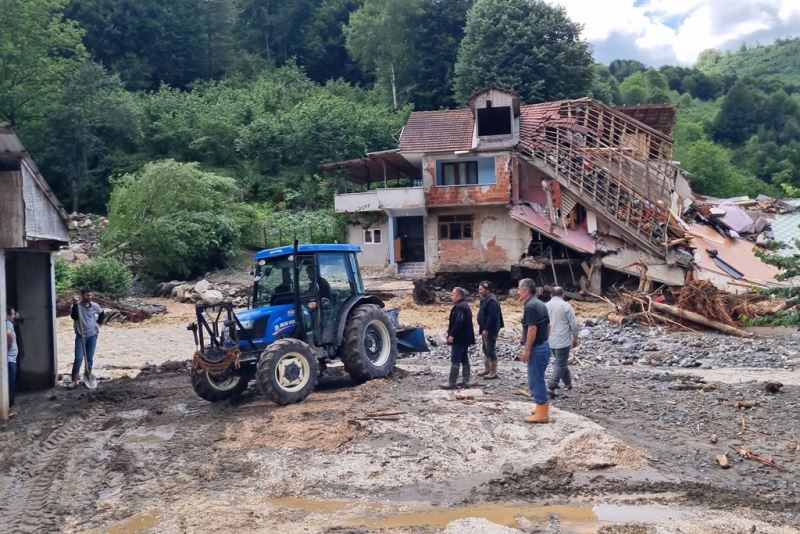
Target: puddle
[
  {"x": 623, "y": 513},
  {"x": 135, "y": 524},
  {"x": 153, "y": 436},
  {"x": 391, "y": 515}
]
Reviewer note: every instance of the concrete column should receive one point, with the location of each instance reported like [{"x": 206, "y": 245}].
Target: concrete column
[
  {"x": 54, "y": 328},
  {"x": 596, "y": 283},
  {"x": 4, "y": 400},
  {"x": 390, "y": 225}
]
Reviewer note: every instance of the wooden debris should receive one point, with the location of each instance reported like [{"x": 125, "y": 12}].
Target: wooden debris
[
  {"x": 722, "y": 460},
  {"x": 739, "y": 405},
  {"x": 699, "y": 319},
  {"x": 693, "y": 387},
  {"x": 383, "y": 414},
  {"x": 750, "y": 455}
]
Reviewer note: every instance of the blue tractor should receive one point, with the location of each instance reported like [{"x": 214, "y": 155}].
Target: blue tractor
[{"x": 308, "y": 307}]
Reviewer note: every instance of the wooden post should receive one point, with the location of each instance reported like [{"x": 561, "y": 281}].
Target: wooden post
[
  {"x": 385, "y": 181},
  {"x": 4, "y": 400}
]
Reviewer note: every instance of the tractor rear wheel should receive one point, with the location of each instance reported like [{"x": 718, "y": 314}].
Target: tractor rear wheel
[
  {"x": 287, "y": 371},
  {"x": 369, "y": 347},
  {"x": 218, "y": 388}
]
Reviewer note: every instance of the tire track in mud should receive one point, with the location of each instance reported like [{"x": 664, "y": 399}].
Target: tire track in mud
[{"x": 33, "y": 502}]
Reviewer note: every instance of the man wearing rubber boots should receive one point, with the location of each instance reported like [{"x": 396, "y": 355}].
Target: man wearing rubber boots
[
  {"x": 563, "y": 335},
  {"x": 535, "y": 331},
  {"x": 87, "y": 316},
  {"x": 490, "y": 321},
  {"x": 459, "y": 336}
]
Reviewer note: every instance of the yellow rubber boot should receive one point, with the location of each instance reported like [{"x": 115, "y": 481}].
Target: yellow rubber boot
[{"x": 541, "y": 414}]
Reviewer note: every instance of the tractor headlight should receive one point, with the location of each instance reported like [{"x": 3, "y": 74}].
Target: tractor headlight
[{"x": 247, "y": 325}]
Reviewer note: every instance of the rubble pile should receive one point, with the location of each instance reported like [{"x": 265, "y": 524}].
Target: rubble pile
[
  {"x": 603, "y": 343},
  {"x": 85, "y": 230},
  {"x": 206, "y": 292}
]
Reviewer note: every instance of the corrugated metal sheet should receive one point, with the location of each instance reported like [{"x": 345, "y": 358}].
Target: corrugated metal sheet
[{"x": 42, "y": 219}]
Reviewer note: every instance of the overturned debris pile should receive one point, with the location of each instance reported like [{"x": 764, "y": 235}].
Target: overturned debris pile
[{"x": 701, "y": 303}]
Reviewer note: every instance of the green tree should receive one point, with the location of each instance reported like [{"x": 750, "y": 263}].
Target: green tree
[
  {"x": 179, "y": 219},
  {"x": 712, "y": 172},
  {"x": 324, "y": 53},
  {"x": 604, "y": 86},
  {"x": 39, "y": 50},
  {"x": 429, "y": 80},
  {"x": 274, "y": 29},
  {"x": 92, "y": 133},
  {"x": 525, "y": 45},
  {"x": 150, "y": 42},
  {"x": 739, "y": 115},
  {"x": 379, "y": 36},
  {"x": 634, "y": 89},
  {"x": 622, "y": 68}
]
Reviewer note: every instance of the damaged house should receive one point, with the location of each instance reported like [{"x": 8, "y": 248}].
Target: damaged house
[{"x": 574, "y": 187}]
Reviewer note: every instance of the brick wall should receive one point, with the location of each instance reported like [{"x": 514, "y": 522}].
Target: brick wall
[{"x": 497, "y": 193}]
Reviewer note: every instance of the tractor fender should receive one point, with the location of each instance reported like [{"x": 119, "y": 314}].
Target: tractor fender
[{"x": 348, "y": 307}]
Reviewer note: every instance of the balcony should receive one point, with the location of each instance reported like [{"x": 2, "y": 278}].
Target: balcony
[{"x": 392, "y": 198}]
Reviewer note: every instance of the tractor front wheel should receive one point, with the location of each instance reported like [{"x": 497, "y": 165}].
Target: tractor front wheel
[
  {"x": 218, "y": 388},
  {"x": 287, "y": 371},
  {"x": 369, "y": 347}
]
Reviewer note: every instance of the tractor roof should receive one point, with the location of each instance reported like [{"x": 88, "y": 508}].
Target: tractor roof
[{"x": 306, "y": 249}]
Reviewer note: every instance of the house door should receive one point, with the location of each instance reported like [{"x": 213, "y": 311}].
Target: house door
[{"x": 412, "y": 238}]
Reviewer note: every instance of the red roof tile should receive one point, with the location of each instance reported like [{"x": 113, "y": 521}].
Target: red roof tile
[{"x": 437, "y": 131}]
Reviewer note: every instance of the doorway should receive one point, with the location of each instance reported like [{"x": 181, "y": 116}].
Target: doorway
[{"x": 411, "y": 233}]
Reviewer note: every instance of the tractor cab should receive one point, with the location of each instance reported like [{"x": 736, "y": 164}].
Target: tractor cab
[{"x": 308, "y": 306}]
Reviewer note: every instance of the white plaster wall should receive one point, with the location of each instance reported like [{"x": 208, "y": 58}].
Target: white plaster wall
[{"x": 371, "y": 254}]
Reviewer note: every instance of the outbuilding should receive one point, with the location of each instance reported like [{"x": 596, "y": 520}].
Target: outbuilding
[{"x": 32, "y": 226}]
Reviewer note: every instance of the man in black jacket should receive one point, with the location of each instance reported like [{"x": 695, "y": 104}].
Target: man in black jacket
[
  {"x": 490, "y": 321},
  {"x": 459, "y": 336}
]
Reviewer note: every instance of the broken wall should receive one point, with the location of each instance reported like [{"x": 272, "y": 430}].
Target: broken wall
[
  {"x": 497, "y": 242},
  {"x": 459, "y": 195}
]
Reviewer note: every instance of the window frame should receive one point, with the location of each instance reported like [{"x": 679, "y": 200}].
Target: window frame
[
  {"x": 443, "y": 165},
  {"x": 371, "y": 233},
  {"x": 465, "y": 223}
]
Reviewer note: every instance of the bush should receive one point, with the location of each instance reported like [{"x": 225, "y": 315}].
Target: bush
[
  {"x": 276, "y": 228},
  {"x": 180, "y": 220},
  {"x": 103, "y": 275},
  {"x": 64, "y": 272}
]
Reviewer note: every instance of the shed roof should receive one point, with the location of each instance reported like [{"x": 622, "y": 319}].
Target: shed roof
[
  {"x": 658, "y": 116},
  {"x": 45, "y": 219}
]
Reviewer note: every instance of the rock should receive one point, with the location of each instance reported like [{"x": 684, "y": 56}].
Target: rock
[
  {"x": 72, "y": 226},
  {"x": 87, "y": 223},
  {"x": 772, "y": 387},
  {"x": 477, "y": 525},
  {"x": 202, "y": 286},
  {"x": 211, "y": 297},
  {"x": 67, "y": 255}
]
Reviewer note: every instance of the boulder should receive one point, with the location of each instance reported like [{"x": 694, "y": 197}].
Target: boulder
[
  {"x": 202, "y": 286},
  {"x": 179, "y": 292},
  {"x": 87, "y": 223},
  {"x": 67, "y": 255},
  {"x": 211, "y": 297}
]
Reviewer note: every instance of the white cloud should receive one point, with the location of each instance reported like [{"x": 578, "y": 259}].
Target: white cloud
[{"x": 676, "y": 31}]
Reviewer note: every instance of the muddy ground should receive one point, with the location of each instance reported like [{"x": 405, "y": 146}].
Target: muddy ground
[{"x": 625, "y": 452}]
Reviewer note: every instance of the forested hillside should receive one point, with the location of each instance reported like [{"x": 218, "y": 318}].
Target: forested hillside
[{"x": 260, "y": 92}]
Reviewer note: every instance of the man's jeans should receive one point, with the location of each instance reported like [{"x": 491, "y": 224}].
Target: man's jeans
[
  {"x": 560, "y": 369},
  {"x": 12, "y": 381},
  {"x": 537, "y": 364},
  {"x": 459, "y": 356},
  {"x": 91, "y": 343},
  {"x": 490, "y": 347}
]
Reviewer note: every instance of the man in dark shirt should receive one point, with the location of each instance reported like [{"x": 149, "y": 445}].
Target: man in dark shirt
[
  {"x": 459, "y": 336},
  {"x": 490, "y": 321},
  {"x": 535, "y": 331}
]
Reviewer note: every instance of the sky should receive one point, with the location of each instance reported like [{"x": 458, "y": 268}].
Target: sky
[{"x": 671, "y": 32}]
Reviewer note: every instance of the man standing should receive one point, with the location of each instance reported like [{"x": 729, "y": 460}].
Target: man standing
[
  {"x": 563, "y": 335},
  {"x": 535, "y": 329},
  {"x": 86, "y": 316},
  {"x": 13, "y": 352},
  {"x": 459, "y": 336},
  {"x": 490, "y": 321}
]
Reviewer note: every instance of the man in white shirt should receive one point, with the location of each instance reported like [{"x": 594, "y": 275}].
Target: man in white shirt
[
  {"x": 563, "y": 335},
  {"x": 13, "y": 352}
]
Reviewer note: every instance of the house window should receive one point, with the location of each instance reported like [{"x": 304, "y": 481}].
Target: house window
[
  {"x": 455, "y": 227},
  {"x": 372, "y": 236},
  {"x": 494, "y": 121},
  {"x": 458, "y": 173}
]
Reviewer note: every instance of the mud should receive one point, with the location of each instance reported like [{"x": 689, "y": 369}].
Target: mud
[{"x": 624, "y": 452}]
